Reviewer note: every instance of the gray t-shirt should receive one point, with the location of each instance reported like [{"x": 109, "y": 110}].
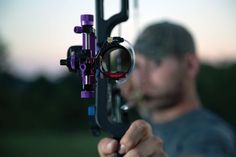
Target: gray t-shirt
[{"x": 198, "y": 132}]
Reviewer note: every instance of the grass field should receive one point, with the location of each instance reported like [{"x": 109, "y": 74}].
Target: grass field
[{"x": 48, "y": 144}]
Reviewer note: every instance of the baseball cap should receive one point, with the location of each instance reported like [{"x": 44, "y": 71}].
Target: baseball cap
[{"x": 163, "y": 39}]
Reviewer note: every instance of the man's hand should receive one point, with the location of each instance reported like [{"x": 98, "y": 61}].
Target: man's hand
[{"x": 138, "y": 141}]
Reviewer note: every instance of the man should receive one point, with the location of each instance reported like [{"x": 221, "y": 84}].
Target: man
[{"x": 163, "y": 88}]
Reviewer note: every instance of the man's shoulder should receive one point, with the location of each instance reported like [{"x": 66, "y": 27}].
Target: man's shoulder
[
  {"x": 205, "y": 123},
  {"x": 207, "y": 130},
  {"x": 198, "y": 132},
  {"x": 200, "y": 120},
  {"x": 205, "y": 120}
]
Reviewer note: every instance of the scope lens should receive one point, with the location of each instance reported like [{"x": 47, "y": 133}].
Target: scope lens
[{"x": 116, "y": 62}]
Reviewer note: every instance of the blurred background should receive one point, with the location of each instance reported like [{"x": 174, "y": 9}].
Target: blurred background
[{"x": 41, "y": 113}]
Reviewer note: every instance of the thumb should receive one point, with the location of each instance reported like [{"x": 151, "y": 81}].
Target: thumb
[{"x": 107, "y": 147}]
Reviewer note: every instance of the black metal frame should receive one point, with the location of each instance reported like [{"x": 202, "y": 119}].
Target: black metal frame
[{"x": 103, "y": 30}]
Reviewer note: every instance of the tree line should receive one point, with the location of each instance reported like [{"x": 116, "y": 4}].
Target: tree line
[{"x": 44, "y": 104}]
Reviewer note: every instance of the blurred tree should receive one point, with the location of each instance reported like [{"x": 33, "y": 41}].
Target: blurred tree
[
  {"x": 3, "y": 55},
  {"x": 216, "y": 86},
  {"x": 43, "y": 104}
]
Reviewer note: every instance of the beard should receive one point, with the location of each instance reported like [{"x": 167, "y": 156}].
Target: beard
[{"x": 161, "y": 99}]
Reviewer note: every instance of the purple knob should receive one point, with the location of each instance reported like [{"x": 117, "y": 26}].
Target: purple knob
[
  {"x": 86, "y": 19},
  {"x": 78, "y": 29},
  {"x": 87, "y": 94}
]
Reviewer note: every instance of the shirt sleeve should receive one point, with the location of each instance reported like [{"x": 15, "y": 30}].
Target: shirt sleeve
[{"x": 210, "y": 143}]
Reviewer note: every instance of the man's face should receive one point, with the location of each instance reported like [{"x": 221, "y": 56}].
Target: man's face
[{"x": 157, "y": 85}]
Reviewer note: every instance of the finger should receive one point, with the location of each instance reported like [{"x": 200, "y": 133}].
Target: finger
[
  {"x": 138, "y": 131},
  {"x": 150, "y": 147},
  {"x": 107, "y": 147}
]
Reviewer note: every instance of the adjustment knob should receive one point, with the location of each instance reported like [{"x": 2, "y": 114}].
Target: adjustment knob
[
  {"x": 78, "y": 29},
  {"x": 86, "y": 19},
  {"x": 63, "y": 62}
]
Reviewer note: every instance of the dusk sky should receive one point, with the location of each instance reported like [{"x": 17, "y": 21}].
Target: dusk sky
[{"x": 38, "y": 32}]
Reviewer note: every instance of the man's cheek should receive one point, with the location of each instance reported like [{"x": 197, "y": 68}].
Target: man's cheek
[
  {"x": 136, "y": 80},
  {"x": 154, "y": 80}
]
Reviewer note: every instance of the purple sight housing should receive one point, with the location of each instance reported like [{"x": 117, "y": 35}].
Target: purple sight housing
[{"x": 88, "y": 49}]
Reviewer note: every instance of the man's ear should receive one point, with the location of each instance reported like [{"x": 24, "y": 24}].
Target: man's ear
[{"x": 193, "y": 64}]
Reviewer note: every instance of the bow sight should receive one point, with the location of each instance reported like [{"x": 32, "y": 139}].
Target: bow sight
[{"x": 103, "y": 63}]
